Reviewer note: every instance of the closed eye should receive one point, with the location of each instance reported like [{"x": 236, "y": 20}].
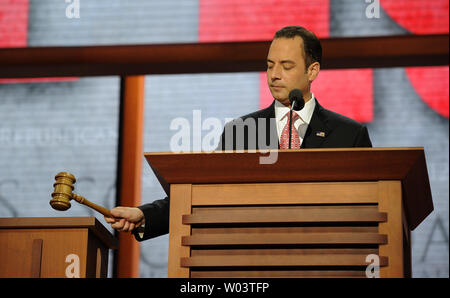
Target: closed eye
[{"x": 288, "y": 65}]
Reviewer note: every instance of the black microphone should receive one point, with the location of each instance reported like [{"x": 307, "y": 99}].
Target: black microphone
[
  {"x": 297, "y": 103},
  {"x": 296, "y": 99}
]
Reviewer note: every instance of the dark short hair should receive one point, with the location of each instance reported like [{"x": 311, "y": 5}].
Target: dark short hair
[{"x": 312, "y": 49}]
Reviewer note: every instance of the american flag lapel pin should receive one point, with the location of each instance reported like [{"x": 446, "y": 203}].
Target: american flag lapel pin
[{"x": 320, "y": 134}]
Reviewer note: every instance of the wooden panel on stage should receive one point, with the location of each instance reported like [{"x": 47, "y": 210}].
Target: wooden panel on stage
[
  {"x": 45, "y": 247},
  {"x": 125, "y": 60}
]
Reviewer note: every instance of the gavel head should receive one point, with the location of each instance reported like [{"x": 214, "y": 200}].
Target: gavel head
[{"x": 63, "y": 191}]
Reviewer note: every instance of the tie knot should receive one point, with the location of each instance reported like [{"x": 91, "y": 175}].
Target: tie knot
[{"x": 295, "y": 116}]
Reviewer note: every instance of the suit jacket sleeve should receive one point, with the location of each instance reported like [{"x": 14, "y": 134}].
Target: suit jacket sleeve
[
  {"x": 363, "y": 139},
  {"x": 156, "y": 219}
]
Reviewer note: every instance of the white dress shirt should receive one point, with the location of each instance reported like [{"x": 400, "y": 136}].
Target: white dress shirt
[{"x": 301, "y": 124}]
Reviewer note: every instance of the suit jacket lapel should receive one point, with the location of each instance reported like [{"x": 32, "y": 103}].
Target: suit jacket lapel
[{"x": 318, "y": 130}]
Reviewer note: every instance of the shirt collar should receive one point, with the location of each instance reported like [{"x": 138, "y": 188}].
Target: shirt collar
[{"x": 305, "y": 113}]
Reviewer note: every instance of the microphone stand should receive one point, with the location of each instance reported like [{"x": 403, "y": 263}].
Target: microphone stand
[
  {"x": 297, "y": 103},
  {"x": 290, "y": 123}
]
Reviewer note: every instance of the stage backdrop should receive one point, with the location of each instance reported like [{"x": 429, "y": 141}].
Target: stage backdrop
[{"x": 71, "y": 124}]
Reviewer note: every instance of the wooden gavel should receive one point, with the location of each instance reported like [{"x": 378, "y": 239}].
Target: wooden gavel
[{"x": 63, "y": 194}]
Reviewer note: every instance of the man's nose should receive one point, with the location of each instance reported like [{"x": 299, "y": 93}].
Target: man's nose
[{"x": 276, "y": 73}]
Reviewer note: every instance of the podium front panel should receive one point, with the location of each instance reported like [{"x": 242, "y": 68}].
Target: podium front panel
[{"x": 328, "y": 229}]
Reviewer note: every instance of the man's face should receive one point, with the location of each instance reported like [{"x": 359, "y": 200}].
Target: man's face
[{"x": 286, "y": 68}]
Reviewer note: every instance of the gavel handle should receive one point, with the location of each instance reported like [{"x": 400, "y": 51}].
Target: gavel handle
[
  {"x": 84, "y": 201},
  {"x": 102, "y": 210}
]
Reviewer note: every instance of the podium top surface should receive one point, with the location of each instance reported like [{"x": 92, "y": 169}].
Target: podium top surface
[
  {"x": 407, "y": 164},
  {"x": 90, "y": 223},
  {"x": 297, "y": 165}
]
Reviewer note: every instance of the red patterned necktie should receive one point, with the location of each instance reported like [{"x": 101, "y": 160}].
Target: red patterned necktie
[{"x": 295, "y": 139}]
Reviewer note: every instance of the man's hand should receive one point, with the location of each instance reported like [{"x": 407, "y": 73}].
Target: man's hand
[{"x": 126, "y": 219}]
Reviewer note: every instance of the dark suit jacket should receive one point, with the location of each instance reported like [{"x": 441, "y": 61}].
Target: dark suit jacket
[{"x": 326, "y": 129}]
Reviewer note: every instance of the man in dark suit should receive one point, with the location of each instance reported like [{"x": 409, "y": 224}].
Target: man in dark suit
[
  {"x": 326, "y": 129},
  {"x": 293, "y": 62}
]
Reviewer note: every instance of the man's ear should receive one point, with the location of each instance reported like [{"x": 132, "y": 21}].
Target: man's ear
[{"x": 313, "y": 71}]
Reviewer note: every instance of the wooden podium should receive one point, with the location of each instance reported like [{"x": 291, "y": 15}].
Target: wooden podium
[
  {"x": 312, "y": 213},
  {"x": 54, "y": 247}
]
